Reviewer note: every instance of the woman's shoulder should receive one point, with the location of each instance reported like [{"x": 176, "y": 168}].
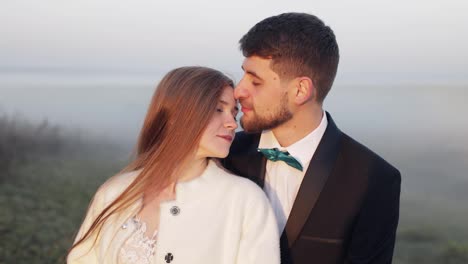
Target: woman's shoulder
[
  {"x": 116, "y": 184},
  {"x": 236, "y": 183},
  {"x": 246, "y": 194}
]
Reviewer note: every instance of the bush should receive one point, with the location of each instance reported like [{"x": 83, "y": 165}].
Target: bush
[
  {"x": 21, "y": 140},
  {"x": 455, "y": 253},
  {"x": 43, "y": 208},
  {"x": 422, "y": 235},
  {"x": 47, "y": 178}
]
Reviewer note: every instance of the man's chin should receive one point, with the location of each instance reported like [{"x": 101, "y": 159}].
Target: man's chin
[
  {"x": 250, "y": 126},
  {"x": 258, "y": 124}
]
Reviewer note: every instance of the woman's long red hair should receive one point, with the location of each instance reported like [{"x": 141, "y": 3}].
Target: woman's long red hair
[{"x": 181, "y": 108}]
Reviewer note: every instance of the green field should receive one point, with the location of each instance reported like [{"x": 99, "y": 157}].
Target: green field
[
  {"x": 43, "y": 203},
  {"x": 48, "y": 177}
]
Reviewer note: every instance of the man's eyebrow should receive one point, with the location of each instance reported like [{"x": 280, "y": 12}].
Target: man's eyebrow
[
  {"x": 226, "y": 103},
  {"x": 251, "y": 73}
]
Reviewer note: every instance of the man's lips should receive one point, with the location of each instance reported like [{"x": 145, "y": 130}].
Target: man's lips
[
  {"x": 226, "y": 137},
  {"x": 245, "y": 109},
  {"x": 245, "y": 106}
]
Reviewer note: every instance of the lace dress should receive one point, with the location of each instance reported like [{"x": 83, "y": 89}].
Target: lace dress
[{"x": 139, "y": 248}]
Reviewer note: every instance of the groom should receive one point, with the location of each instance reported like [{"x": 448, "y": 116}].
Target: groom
[{"x": 335, "y": 200}]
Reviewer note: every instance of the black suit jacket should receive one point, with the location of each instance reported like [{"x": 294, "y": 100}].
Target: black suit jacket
[{"x": 347, "y": 207}]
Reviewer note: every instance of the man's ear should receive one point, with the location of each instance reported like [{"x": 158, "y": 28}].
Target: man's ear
[{"x": 305, "y": 90}]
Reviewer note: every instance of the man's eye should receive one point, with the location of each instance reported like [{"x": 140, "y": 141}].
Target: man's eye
[{"x": 255, "y": 83}]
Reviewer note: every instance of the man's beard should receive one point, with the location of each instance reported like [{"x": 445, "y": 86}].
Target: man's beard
[{"x": 278, "y": 116}]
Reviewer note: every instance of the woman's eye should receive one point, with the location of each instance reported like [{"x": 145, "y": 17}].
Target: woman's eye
[{"x": 219, "y": 110}]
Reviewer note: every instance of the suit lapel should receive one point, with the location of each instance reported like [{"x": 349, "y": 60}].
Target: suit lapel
[
  {"x": 314, "y": 180},
  {"x": 245, "y": 160},
  {"x": 257, "y": 172}
]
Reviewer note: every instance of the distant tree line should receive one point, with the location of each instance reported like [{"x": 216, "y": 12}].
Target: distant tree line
[{"x": 22, "y": 140}]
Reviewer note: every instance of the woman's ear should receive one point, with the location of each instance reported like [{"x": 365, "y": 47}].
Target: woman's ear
[{"x": 305, "y": 90}]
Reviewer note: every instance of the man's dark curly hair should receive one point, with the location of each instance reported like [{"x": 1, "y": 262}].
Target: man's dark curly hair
[{"x": 299, "y": 44}]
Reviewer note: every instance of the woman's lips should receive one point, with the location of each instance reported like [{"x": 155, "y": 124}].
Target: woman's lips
[{"x": 226, "y": 137}]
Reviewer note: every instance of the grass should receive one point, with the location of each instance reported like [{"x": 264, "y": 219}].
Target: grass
[
  {"x": 432, "y": 231},
  {"x": 44, "y": 201},
  {"x": 46, "y": 185},
  {"x": 43, "y": 205}
]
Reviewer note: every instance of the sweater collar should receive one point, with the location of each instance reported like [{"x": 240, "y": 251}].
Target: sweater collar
[{"x": 186, "y": 189}]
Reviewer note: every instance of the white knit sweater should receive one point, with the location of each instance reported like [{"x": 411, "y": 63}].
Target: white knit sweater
[{"x": 216, "y": 218}]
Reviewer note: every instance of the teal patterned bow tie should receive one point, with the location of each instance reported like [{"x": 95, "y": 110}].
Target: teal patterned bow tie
[{"x": 275, "y": 154}]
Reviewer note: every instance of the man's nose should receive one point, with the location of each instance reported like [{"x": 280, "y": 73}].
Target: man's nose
[{"x": 240, "y": 91}]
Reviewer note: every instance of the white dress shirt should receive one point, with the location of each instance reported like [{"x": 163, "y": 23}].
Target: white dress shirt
[{"x": 282, "y": 181}]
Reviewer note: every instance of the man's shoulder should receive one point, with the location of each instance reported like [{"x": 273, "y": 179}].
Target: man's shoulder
[
  {"x": 359, "y": 152},
  {"x": 243, "y": 158},
  {"x": 244, "y": 141}
]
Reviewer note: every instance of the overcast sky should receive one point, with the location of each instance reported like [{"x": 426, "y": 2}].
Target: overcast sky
[{"x": 379, "y": 40}]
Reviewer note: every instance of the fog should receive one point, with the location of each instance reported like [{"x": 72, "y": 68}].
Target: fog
[
  {"x": 91, "y": 67},
  {"x": 380, "y": 41},
  {"x": 401, "y": 88},
  {"x": 421, "y": 129}
]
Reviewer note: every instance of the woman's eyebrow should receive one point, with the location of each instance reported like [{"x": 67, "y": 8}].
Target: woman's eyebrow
[{"x": 226, "y": 103}]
